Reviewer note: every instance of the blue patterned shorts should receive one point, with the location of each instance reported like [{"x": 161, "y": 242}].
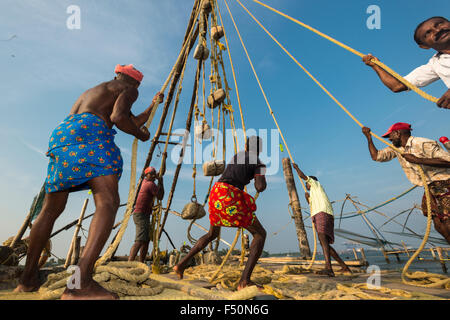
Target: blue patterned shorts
[{"x": 81, "y": 148}]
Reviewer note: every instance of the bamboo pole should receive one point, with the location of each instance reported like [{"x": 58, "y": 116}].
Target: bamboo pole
[
  {"x": 441, "y": 259},
  {"x": 406, "y": 249},
  {"x": 76, "y": 251},
  {"x": 305, "y": 251},
  {"x": 363, "y": 255},
  {"x": 75, "y": 235},
  {"x": 179, "y": 65},
  {"x": 183, "y": 149},
  {"x": 27, "y": 220},
  {"x": 355, "y": 254},
  {"x": 433, "y": 253}
]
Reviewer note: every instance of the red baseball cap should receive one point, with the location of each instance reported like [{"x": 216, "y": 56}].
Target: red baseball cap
[
  {"x": 397, "y": 126},
  {"x": 443, "y": 139}
]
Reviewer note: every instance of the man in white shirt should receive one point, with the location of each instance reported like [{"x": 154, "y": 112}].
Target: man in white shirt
[
  {"x": 433, "y": 33},
  {"x": 323, "y": 219},
  {"x": 435, "y": 162}
]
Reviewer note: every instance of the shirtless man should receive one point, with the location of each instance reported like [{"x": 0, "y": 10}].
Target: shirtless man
[
  {"x": 83, "y": 156},
  {"x": 230, "y": 206}
]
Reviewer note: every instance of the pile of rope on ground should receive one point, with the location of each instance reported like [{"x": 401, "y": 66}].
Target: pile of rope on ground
[
  {"x": 133, "y": 281},
  {"x": 229, "y": 277},
  {"x": 292, "y": 283},
  {"x": 122, "y": 278},
  {"x": 429, "y": 280}
]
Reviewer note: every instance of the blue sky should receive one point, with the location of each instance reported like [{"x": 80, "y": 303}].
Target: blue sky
[{"x": 47, "y": 66}]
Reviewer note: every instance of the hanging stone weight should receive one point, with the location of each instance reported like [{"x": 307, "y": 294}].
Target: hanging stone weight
[
  {"x": 203, "y": 131},
  {"x": 216, "y": 98},
  {"x": 201, "y": 52},
  {"x": 193, "y": 210},
  {"x": 217, "y": 32},
  {"x": 206, "y": 6},
  {"x": 213, "y": 168}
]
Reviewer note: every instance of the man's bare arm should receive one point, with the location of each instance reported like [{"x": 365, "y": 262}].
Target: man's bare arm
[
  {"x": 160, "y": 193},
  {"x": 387, "y": 79},
  {"x": 260, "y": 183},
  {"x": 372, "y": 149},
  {"x": 121, "y": 115},
  {"x": 434, "y": 162},
  {"x": 141, "y": 119},
  {"x": 444, "y": 101},
  {"x": 300, "y": 172}
]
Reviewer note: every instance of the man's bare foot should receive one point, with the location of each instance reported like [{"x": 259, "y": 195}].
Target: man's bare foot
[
  {"x": 243, "y": 284},
  {"x": 91, "y": 291},
  {"x": 31, "y": 285},
  {"x": 326, "y": 272},
  {"x": 178, "y": 271},
  {"x": 23, "y": 288}
]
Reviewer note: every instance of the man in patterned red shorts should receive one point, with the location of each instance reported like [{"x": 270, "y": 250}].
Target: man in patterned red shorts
[
  {"x": 231, "y": 206},
  {"x": 83, "y": 156}
]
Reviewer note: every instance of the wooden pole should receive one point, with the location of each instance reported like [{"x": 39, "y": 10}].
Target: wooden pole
[
  {"x": 355, "y": 254},
  {"x": 27, "y": 221},
  {"x": 433, "y": 253},
  {"x": 183, "y": 148},
  {"x": 385, "y": 255},
  {"x": 179, "y": 65},
  {"x": 363, "y": 255},
  {"x": 441, "y": 259},
  {"x": 406, "y": 249},
  {"x": 305, "y": 251},
  {"x": 75, "y": 235},
  {"x": 76, "y": 251}
]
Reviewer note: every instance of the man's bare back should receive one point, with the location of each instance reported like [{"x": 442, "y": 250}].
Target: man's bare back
[
  {"x": 100, "y": 100},
  {"x": 112, "y": 102}
]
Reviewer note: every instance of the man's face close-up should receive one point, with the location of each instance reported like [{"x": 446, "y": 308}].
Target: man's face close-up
[
  {"x": 435, "y": 33},
  {"x": 394, "y": 137}
]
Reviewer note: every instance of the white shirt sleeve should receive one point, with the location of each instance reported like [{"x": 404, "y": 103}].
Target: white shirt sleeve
[
  {"x": 386, "y": 154},
  {"x": 423, "y": 75}
]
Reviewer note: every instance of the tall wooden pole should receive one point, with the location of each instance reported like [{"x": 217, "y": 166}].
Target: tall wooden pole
[
  {"x": 75, "y": 235},
  {"x": 305, "y": 251},
  {"x": 27, "y": 221}
]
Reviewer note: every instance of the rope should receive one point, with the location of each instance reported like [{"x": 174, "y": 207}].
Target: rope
[
  {"x": 261, "y": 88},
  {"x": 379, "y": 63},
  {"x": 424, "y": 181},
  {"x": 132, "y": 190},
  {"x": 126, "y": 278},
  {"x": 313, "y": 259}
]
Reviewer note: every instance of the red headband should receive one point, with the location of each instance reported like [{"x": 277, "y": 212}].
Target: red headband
[
  {"x": 129, "y": 70},
  {"x": 149, "y": 169}
]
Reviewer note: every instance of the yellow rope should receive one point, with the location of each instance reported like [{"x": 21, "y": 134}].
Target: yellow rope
[
  {"x": 424, "y": 181},
  {"x": 315, "y": 247},
  {"x": 261, "y": 88},
  {"x": 132, "y": 190},
  {"x": 379, "y": 63}
]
